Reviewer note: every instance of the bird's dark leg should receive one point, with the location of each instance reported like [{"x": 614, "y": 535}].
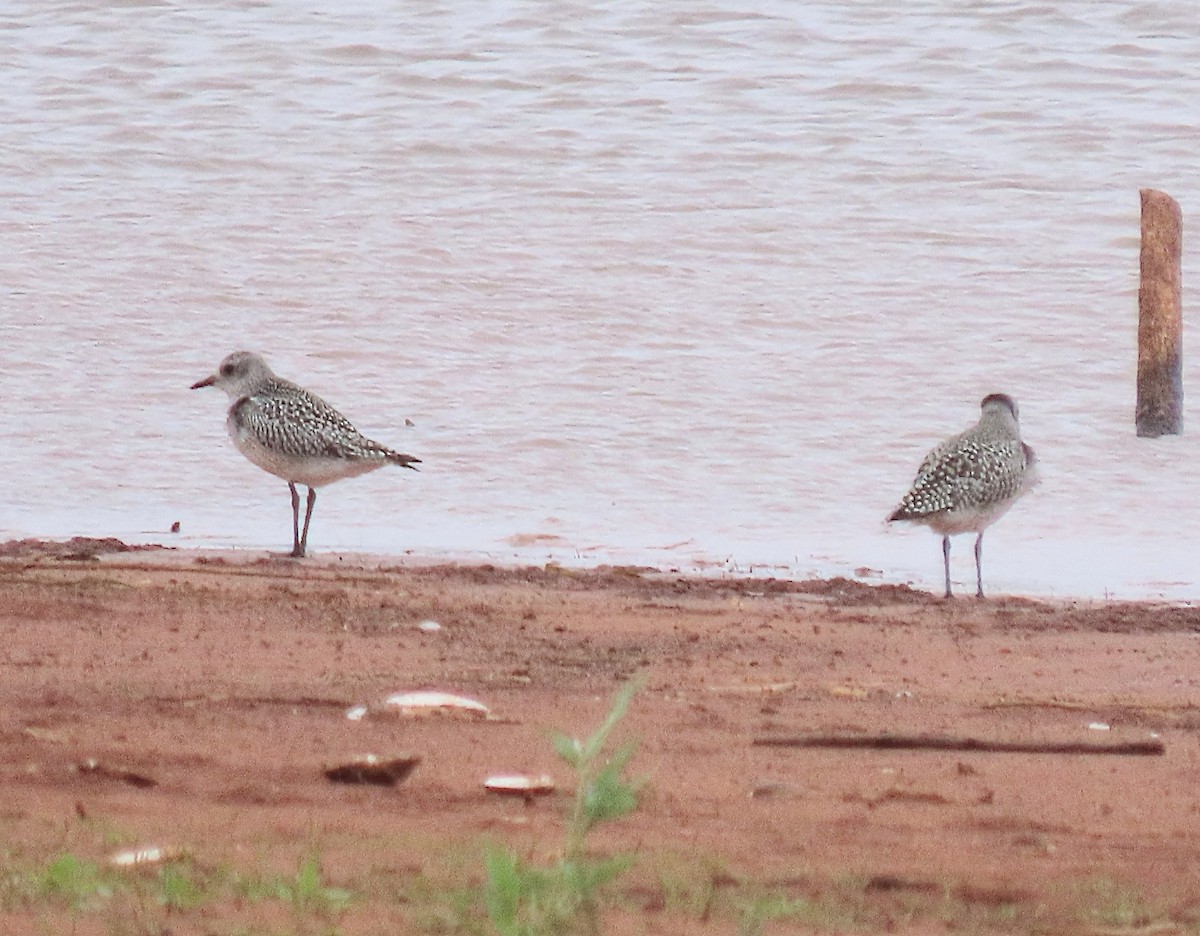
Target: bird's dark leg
[
  {"x": 297, "y": 549},
  {"x": 312, "y": 499},
  {"x": 946, "y": 560},
  {"x": 979, "y": 565}
]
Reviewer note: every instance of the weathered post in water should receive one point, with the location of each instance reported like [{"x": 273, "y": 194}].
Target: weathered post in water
[{"x": 1160, "y": 318}]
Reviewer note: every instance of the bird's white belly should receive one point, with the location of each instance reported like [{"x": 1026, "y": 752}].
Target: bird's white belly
[
  {"x": 310, "y": 470},
  {"x": 968, "y": 519}
]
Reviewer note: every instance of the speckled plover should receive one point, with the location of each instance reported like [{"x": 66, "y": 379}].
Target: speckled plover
[
  {"x": 970, "y": 480},
  {"x": 294, "y": 434}
]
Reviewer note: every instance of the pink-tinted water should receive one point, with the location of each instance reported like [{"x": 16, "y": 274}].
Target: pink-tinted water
[{"x": 688, "y": 284}]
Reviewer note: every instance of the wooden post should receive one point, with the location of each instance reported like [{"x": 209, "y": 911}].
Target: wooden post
[{"x": 1160, "y": 318}]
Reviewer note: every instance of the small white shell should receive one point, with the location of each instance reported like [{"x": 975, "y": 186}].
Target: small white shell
[
  {"x": 519, "y": 785},
  {"x": 134, "y": 857},
  {"x": 435, "y": 703},
  {"x": 422, "y": 704},
  {"x": 429, "y": 627}
]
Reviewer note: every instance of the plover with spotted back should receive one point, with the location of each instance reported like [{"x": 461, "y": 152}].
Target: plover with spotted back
[
  {"x": 969, "y": 481},
  {"x": 294, "y": 434}
]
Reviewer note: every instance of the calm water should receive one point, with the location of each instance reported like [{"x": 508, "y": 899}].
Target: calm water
[{"x": 693, "y": 284}]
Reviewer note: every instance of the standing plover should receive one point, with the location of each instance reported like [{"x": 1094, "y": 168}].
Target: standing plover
[
  {"x": 970, "y": 480},
  {"x": 294, "y": 434}
]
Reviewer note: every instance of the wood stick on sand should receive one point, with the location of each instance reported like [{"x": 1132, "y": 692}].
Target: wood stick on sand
[{"x": 897, "y": 742}]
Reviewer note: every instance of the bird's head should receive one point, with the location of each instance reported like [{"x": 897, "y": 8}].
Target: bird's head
[{"x": 238, "y": 374}]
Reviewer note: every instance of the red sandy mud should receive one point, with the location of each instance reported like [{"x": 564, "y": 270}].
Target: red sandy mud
[{"x": 223, "y": 683}]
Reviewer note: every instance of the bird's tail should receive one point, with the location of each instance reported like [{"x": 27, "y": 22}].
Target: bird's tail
[{"x": 404, "y": 461}]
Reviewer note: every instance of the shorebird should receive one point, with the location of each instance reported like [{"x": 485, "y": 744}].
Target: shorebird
[
  {"x": 294, "y": 434},
  {"x": 969, "y": 481}
]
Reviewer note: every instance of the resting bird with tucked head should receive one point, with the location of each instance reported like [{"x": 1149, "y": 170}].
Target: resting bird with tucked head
[
  {"x": 294, "y": 434},
  {"x": 971, "y": 480}
]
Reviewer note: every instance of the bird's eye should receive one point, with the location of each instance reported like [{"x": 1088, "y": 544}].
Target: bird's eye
[{"x": 226, "y": 370}]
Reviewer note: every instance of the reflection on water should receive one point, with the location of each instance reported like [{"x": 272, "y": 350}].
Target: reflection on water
[{"x": 696, "y": 287}]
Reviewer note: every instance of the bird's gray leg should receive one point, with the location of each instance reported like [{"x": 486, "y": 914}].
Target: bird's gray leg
[
  {"x": 979, "y": 565},
  {"x": 312, "y": 499},
  {"x": 297, "y": 549},
  {"x": 946, "y": 560}
]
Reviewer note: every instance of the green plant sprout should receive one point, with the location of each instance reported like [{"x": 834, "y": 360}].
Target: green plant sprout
[{"x": 524, "y": 900}]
